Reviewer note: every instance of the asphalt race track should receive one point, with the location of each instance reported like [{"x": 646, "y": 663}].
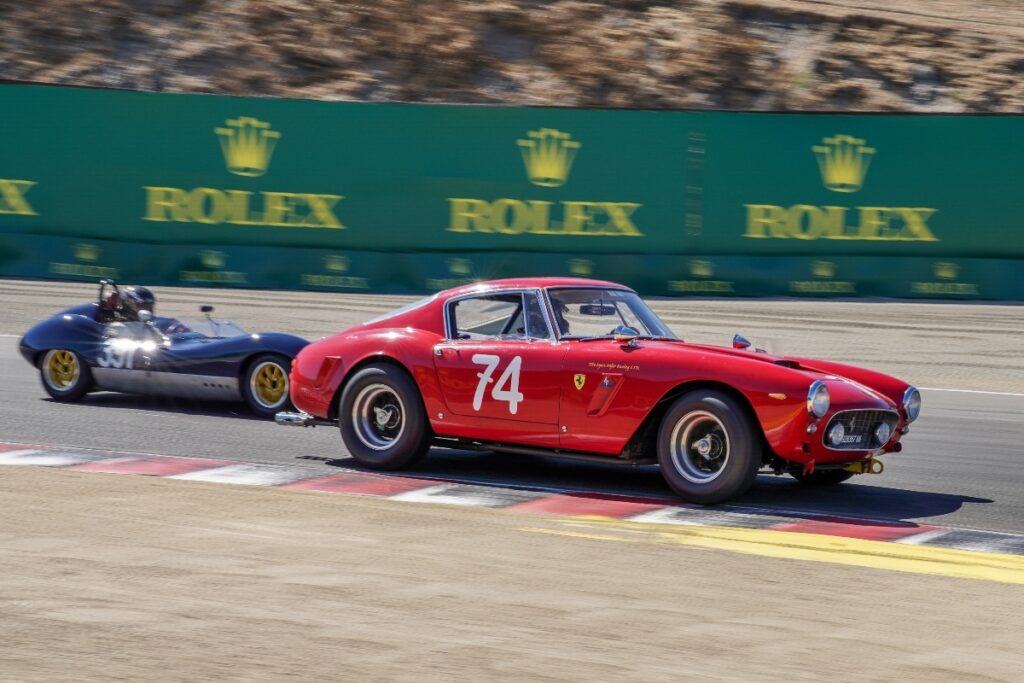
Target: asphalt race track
[{"x": 960, "y": 467}]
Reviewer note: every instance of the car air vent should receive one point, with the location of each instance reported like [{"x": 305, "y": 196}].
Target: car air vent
[{"x": 787, "y": 363}]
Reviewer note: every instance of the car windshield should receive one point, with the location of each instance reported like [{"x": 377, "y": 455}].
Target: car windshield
[
  {"x": 595, "y": 313},
  {"x": 206, "y": 327}
]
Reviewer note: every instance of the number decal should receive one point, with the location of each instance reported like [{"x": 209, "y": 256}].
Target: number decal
[
  {"x": 509, "y": 377},
  {"x": 117, "y": 358}
]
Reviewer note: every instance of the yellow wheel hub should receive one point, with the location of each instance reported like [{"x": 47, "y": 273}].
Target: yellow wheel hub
[
  {"x": 271, "y": 384},
  {"x": 62, "y": 369}
]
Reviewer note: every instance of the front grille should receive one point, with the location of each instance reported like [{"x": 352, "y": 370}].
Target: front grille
[{"x": 860, "y": 426}]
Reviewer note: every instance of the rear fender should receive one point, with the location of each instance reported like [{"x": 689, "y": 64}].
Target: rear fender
[{"x": 71, "y": 331}]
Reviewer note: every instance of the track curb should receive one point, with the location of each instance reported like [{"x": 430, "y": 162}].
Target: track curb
[{"x": 521, "y": 500}]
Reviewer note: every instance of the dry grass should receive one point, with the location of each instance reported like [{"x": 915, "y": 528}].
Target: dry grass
[{"x": 912, "y": 55}]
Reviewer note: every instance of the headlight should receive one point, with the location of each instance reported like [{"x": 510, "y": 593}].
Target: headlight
[
  {"x": 836, "y": 433},
  {"x": 818, "y": 399},
  {"x": 911, "y": 403},
  {"x": 882, "y": 434}
]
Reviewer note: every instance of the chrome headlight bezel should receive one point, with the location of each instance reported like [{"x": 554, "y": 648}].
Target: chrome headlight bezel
[
  {"x": 818, "y": 400},
  {"x": 911, "y": 404}
]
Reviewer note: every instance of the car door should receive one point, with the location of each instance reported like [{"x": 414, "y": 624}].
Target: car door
[
  {"x": 499, "y": 368},
  {"x": 126, "y": 357}
]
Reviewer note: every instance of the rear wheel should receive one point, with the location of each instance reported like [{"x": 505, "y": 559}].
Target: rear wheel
[
  {"x": 707, "y": 447},
  {"x": 65, "y": 377},
  {"x": 382, "y": 419},
  {"x": 265, "y": 385},
  {"x": 822, "y": 477}
]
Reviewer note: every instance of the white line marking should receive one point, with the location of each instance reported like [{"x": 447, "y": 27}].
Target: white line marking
[{"x": 973, "y": 391}]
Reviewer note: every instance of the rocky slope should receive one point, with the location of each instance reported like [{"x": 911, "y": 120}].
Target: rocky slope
[{"x": 913, "y": 55}]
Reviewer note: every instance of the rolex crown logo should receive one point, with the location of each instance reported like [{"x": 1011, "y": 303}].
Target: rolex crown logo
[
  {"x": 823, "y": 269},
  {"x": 86, "y": 252},
  {"x": 580, "y": 266},
  {"x": 843, "y": 161},
  {"x": 336, "y": 263},
  {"x": 945, "y": 270},
  {"x": 548, "y": 155},
  {"x": 247, "y": 144},
  {"x": 212, "y": 259},
  {"x": 701, "y": 268},
  {"x": 459, "y": 266}
]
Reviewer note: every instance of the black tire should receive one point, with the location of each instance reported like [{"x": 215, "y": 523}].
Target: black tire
[
  {"x": 382, "y": 419},
  {"x": 266, "y": 384},
  {"x": 65, "y": 375},
  {"x": 822, "y": 477},
  {"x": 714, "y": 423}
]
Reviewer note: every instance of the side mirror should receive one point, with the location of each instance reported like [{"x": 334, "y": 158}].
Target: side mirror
[
  {"x": 206, "y": 308},
  {"x": 739, "y": 342},
  {"x": 146, "y": 316}
]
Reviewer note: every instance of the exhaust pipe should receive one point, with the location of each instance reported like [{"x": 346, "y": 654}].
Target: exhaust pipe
[{"x": 299, "y": 420}]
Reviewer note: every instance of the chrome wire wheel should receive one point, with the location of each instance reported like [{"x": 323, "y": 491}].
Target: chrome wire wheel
[
  {"x": 268, "y": 384},
  {"x": 378, "y": 416},
  {"x": 699, "y": 447},
  {"x": 60, "y": 370}
]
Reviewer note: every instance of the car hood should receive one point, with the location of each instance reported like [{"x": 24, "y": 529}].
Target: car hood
[{"x": 845, "y": 391}]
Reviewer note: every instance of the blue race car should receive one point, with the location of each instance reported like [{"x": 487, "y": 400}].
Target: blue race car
[{"x": 117, "y": 344}]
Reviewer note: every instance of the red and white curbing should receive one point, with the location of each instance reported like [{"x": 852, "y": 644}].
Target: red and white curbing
[{"x": 420, "y": 490}]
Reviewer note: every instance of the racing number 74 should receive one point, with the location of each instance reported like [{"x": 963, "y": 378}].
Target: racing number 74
[{"x": 509, "y": 377}]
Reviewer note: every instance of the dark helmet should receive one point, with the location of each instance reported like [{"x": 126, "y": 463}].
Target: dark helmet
[{"x": 135, "y": 299}]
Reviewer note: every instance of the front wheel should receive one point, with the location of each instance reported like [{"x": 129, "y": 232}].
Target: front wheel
[
  {"x": 265, "y": 385},
  {"x": 65, "y": 377},
  {"x": 708, "y": 449},
  {"x": 382, "y": 419}
]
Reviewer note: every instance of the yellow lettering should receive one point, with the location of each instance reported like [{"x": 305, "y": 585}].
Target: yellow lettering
[
  {"x": 166, "y": 204},
  {"x": 510, "y": 216},
  {"x": 469, "y": 215},
  {"x": 207, "y": 205},
  {"x": 12, "y": 197},
  {"x": 620, "y": 213},
  {"x": 765, "y": 220},
  {"x": 322, "y": 211},
  {"x": 578, "y": 217},
  {"x": 916, "y": 221}
]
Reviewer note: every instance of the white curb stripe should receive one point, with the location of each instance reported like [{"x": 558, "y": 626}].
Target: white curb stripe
[
  {"x": 247, "y": 474},
  {"x": 41, "y": 458},
  {"x": 972, "y": 391}
]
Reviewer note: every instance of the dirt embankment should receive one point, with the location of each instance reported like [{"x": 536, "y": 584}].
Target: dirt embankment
[{"x": 915, "y": 55}]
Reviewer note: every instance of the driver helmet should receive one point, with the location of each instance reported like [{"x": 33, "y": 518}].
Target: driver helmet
[
  {"x": 560, "y": 309},
  {"x": 135, "y": 299}
]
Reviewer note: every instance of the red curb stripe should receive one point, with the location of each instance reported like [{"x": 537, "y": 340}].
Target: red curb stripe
[
  {"x": 585, "y": 505},
  {"x": 4, "y": 447},
  {"x": 153, "y": 466},
  {"x": 863, "y": 531},
  {"x": 363, "y": 484}
]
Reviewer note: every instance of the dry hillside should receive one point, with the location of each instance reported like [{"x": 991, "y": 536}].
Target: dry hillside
[{"x": 917, "y": 55}]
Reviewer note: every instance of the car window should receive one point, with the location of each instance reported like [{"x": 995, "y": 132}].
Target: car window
[
  {"x": 599, "y": 312},
  {"x": 498, "y": 316}
]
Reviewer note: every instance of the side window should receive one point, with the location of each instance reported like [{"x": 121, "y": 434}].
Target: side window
[{"x": 495, "y": 316}]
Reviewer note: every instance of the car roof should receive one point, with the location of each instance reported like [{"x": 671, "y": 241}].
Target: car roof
[{"x": 530, "y": 283}]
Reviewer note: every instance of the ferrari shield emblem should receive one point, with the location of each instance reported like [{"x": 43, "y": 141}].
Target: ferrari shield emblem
[{"x": 579, "y": 381}]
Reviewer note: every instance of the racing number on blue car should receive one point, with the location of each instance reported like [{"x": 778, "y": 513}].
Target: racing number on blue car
[
  {"x": 117, "y": 358},
  {"x": 509, "y": 377}
]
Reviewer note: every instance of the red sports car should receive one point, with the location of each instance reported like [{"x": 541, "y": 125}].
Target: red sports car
[{"x": 584, "y": 369}]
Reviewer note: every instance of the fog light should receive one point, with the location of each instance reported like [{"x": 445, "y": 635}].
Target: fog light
[
  {"x": 882, "y": 433},
  {"x": 836, "y": 433}
]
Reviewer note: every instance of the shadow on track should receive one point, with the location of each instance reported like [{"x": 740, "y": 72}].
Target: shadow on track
[
  {"x": 168, "y": 404},
  {"x": 775, "y": 496}
]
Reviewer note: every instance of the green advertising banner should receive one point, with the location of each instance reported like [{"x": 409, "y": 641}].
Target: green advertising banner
[{"x": 250, "y": 192}]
